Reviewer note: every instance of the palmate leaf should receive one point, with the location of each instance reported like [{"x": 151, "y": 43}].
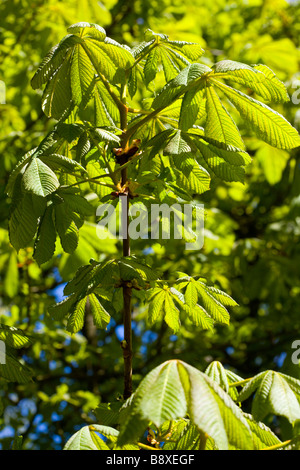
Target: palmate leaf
[
  {"x": 211, "y": 300},
  {"x": 74, "y": 309},
  {"x": 14, "y": 337},
  {"x": 268, "y": 125},
  {"x": 172, "y": 55},
  {"x": 259, "y": 78},
  {"x": 84, "y": 291},
  {"x": 276, "y": 393},
  {"x": 203, "y": 304},
  {"x": 225, "y": 378},
  {"x": 87, "y": 438},
  {"x": 162, "y": 306},
  {"x": 70, "y": 69},
  {"x": 174, "y": 389}
]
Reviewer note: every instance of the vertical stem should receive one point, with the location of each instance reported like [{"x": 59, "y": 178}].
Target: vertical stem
[{"x": 127, "y": 291}]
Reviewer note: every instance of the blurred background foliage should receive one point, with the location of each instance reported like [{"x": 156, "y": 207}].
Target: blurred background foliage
[{"x": 252, "y": 231}]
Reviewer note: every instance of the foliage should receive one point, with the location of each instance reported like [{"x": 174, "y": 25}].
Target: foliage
[{"x": 165, "y": 121}]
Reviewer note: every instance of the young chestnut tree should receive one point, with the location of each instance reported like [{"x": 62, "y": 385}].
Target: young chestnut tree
[{"x": 150, "y": 124}]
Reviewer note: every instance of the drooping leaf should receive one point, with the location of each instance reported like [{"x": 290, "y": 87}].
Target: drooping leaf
[
  {"x": 172, "y": 390},
  {"x": 273, "y": 395}
]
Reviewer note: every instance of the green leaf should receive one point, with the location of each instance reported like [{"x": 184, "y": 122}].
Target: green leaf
[
  {"x": 209, "y": 299},
  {"x": 212, "y": 305},
  {"x": 172, "y": 55},
  {"x": 162, "y": 305},
  {"x": 259, "y": 78},
  {"x": 77, "y": 203},
  {"x": 76, "y": 319},
  {"x": 87, "y": 439},
  {"x": 82, "y": 75},
  {"x": 273, "y": 395},
  {"x": 14, "y": 371},
  {"x": 16, "y": 171},
  {"x": 100, "y": 316},
  {"x": 216, "y": 371},
  {"x": 53, "y": 61},
  {"x": 66, "y": 228},
  {"x": 105, "y": 110},
  {"x": 225, "y": 161},
  {"x": 39, "y": 178},
  {"x": 188, "y": 78},
  {"x": 219, "y": 124},
  {"x": 60, "y": 310},
  {"x": 87, "y": 29},
  {"x": 60, "y": 162},
  {"x": 174, "y": 389},
  {"x": 269, "y": 125},
  {"x": 23, "y": 222},
  {"x": 191, "y": 176},
  {"x": 151, "y": 64},
  {"x": 107, "y": 414},
  {"x": 46, "y": 238},
  {"x": 213, "y": 411},
  {"x": 262, "y": 435},
  {"x": 57, "y": 96},
  {"x": 156, "y": 305},
  {"x": 106, "y": 136},
  {"x": 190, "y": 108},
  {"x": 14, "y": 337}
]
